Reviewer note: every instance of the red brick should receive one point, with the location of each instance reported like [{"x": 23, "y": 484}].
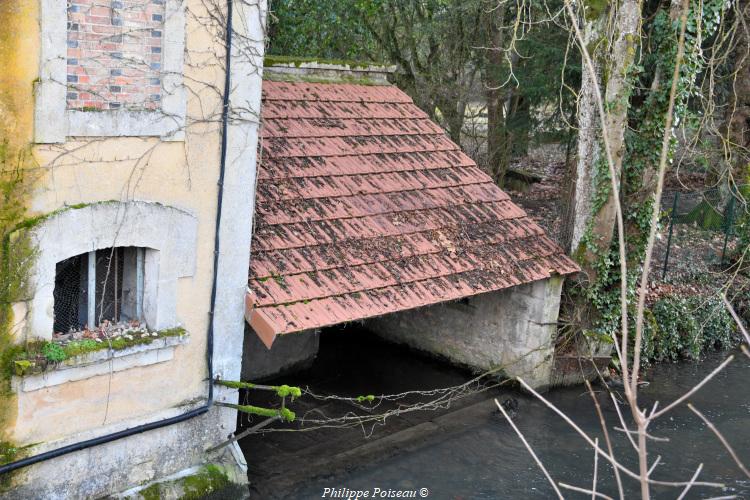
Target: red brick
[{"x": 98, "y": 42}]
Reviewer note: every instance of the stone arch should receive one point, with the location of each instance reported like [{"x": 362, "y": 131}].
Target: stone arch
[{"x": 168, "y": 234}]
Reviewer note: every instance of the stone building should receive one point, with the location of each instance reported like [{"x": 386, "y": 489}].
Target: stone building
[
  {"x": 367, "y": 211},
  {"x": 139, "y": 218},
  {"x": 140, "y": 207}
]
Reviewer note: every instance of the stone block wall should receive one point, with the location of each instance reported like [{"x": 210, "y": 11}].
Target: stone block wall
[
  {"x": 512, "y": 329},
  {"x": 114, "y": 54},
  {"x": 289, "y": 353}
]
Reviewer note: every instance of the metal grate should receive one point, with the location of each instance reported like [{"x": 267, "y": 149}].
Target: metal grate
[
  {"x": 109, "y": 270},
  {"x": 72, "y": 290},
  {"x": 70, "y": 294}
]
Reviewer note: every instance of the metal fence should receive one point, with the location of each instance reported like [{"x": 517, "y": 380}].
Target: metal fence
[{"x": 703, "y": 224}]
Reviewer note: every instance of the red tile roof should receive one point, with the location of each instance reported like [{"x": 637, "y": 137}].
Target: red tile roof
[{"x": 365, "y": 207}]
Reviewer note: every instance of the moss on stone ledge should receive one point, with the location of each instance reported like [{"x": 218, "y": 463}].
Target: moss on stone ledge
[
  {"x": 209, "y": 479},
  {"x": 37, "y": 356},
  {"x": 272, "y": 60},
  {"x": 354, "y": 80}
]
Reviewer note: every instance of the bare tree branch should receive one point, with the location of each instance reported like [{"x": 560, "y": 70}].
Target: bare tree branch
[
  {"x": 531, "y": 451},
  {"x": 721, "y": 438}
]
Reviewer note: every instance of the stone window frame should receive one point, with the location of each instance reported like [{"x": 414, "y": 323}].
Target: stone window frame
[
  {"x": 169, "y": 235},
  {"x": 54, "y": 123}
]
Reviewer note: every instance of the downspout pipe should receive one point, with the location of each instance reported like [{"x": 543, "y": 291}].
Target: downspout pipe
[{"x": 89, "y": 443}]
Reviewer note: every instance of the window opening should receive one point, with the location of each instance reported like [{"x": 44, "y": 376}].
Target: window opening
[{"x": 98, "y": 287}]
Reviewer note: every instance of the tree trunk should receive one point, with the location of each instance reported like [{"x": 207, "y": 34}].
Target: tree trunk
[
  {"x": 589, "y": 152},
  {"x": 738, "y": 112},
  {"x": 618, "y": 57},
  {"x": 497, "y": 140}
]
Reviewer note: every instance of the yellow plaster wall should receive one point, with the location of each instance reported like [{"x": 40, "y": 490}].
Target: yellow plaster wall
[
  {"x": 179, "y": 174},
  {"x": 19, "y": 50},
  {"x": 19, "y": 53}
]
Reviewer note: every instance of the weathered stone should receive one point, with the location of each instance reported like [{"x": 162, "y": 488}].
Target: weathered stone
[
  {"x": 295, "y": 351},
  {"x": 106, "y": 469},
  {"x": 512, "y": 329}
]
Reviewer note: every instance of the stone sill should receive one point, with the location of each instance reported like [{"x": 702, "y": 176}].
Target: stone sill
[{"x": 101, "y": 362}]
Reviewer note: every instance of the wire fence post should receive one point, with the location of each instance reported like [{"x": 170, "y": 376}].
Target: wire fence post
[
  {"x": 728, "y": 223},
  {"x": 669, "y": 238}
]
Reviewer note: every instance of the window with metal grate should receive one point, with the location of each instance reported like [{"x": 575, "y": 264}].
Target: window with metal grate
[{"x": 104, "y": 285}]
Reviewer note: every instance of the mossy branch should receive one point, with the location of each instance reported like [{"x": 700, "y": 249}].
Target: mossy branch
[
  {"x": 283, "y": 413},
  {"x": 281, "y": 390}
]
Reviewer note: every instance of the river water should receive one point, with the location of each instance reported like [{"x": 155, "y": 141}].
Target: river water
[{"x": 488, "y": 461}]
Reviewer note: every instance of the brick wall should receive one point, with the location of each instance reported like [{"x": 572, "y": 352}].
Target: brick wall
[{"x": 114, "y": 54}]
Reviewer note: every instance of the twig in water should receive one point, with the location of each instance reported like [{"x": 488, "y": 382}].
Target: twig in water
[
  {"x": 648, "y": 436},
  {"x": 653, "y": 465}
]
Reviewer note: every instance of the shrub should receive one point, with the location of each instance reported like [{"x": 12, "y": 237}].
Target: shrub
[{"x": 685, "y": 328}]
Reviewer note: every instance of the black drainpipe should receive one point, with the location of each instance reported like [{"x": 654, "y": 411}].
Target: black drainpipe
[{"x": 47, "y": 455}]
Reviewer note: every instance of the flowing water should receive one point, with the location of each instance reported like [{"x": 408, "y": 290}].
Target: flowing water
[{"x": 488, "y": 461}]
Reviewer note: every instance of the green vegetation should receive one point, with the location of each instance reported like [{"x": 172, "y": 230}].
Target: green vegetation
[
  {"x": 440, "y": 49},
  {"x": 742, "y": 228},
  {"x": 686, "y": 327},
  {"x": 37, "y": 356},
  {"x": 285, "y": 390},
  {"x": 706, "y": 216},
  {"x": 53, "y": 352},
  {"x": 153, "y": 492},
  {"x": 650, "y": 79},
  {"x": 17, "y": 254},
  {"x": 79, "y": 347},
  {"x": 281, "y": 390},
  {"x": 284, "y": 413},
  {"x": 235, "y": 385},
  {"x": 31, "y": 222},
  {"x": 8, "y": 452},
  {"x": 209, "y": 479},
  {"x": 271, "y": 60},
  {"x": 319, "y": 28},
  {"x": 355, "y": 80}
]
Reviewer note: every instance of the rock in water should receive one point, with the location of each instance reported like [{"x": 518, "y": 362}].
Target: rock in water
[{"x": 510, "y": 405}]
